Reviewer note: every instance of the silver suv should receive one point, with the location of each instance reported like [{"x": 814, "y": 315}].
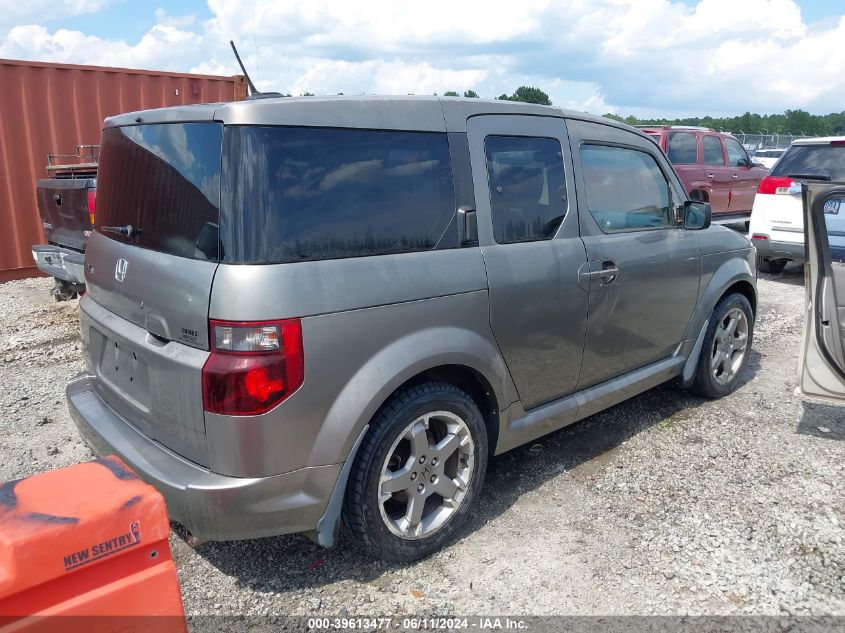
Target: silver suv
[{"x": 308, "y": 313}]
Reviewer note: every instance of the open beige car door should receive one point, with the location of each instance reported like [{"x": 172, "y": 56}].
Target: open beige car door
[{"x": 822, "y": 373}]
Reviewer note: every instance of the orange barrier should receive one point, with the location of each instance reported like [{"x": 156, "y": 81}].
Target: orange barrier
[{"x": 85, "y": 548}]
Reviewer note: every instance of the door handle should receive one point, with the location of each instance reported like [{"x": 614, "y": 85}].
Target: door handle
[
  {"x": 709, "y": 175},
  {"x": 734, "y": 176},
  {"x": 608, "y": 274}
]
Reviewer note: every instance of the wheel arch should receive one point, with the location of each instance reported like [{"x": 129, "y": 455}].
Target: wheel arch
[
  {"x": 458, "y": 368},
  {"x": 735, "y": 275}
]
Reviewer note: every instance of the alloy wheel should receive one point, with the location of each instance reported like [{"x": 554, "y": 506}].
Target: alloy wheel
[
  {"x": 730, "y": 344},
  {"x": 426, "y": 475}
]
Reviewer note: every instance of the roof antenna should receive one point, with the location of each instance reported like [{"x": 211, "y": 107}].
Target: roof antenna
[{"x": 252, "y": 89}]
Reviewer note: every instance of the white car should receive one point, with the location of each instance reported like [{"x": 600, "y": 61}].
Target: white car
[
  {"x": 768, "y": 157},
  {"x": 777, "y": 225}
]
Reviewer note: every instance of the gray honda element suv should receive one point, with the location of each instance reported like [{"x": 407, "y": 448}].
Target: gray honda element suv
[{"x": 311, "y": 313}]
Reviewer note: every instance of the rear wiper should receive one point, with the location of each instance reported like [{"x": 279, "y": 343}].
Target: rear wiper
[
  {"x": 128, "y": 230},
  {"x": 824, "y": 177}
]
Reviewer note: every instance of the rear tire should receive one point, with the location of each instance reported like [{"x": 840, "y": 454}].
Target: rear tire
[
  {"x": 771, "y": 266},
  {"x": 726, "y": 347},
  {"x": 63, "y": 291},
  {"x": 417, "y": 473}
]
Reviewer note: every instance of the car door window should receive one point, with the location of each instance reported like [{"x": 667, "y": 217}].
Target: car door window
[
  {"x": 834, "y": 217},
  {"x": 682, "y": 148},
  {"x": 711, "y": 148},
  {"x": 736, "y": 152},
  {"x": 625, "y": 189},
  {"x": 527, "y": 187}
]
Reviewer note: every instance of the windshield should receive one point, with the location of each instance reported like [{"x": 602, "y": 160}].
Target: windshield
[
  {"x": 159, "y": 187},
  {"x": 806, "y": 160}
]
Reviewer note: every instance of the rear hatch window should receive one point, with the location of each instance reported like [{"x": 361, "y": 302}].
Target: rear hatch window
[
  {"x": 293, "y": 194},
  {"x": 159, "y": 187},
  {"x": 812, "y": 160}
]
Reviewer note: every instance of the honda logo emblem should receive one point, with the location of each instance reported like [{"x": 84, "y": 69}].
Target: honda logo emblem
[{"x": 120, "y": 269}]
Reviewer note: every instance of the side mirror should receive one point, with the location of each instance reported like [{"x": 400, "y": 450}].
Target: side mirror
[{"x": 697, "y": 215}]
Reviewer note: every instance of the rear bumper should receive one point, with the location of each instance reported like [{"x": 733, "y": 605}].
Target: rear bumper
[
  {"x": 773, "y": 249},
  {"x": 212, "y": 506},
  {"x": 61, "y": 263}
]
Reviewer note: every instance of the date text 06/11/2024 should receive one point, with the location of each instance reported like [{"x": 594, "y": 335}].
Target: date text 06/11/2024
[{"x": 416, "y": 623}]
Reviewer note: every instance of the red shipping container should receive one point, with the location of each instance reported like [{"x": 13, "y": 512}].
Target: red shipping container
[{"x": 50, "y": 109}]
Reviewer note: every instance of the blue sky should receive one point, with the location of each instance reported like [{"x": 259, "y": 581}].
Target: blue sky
[{"x": 643, "y": 57}]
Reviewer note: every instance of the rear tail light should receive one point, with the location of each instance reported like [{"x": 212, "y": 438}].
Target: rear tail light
[
  {"x": 253, "y": 366},
  {"x": 92, "y": 205},
  {"x": 776, "y": 184},
  {"x": 759, "y": 236},
  {"x": 837, "y": 143}
]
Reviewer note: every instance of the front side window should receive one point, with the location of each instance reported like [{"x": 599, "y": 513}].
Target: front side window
[
  {"x": 625, "y": 189},
  {"x": 736, "y": 152},
  {"x": 682, "y": 148},
  {"x": 294, "y": 194},
  {"x": 527, "y": 187},
  {"x": 711, "y": 148}
]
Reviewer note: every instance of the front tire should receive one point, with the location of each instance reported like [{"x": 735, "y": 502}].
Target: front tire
[
  {"x": 727, "y": 343},
  {"x": 417, "y": 473}
]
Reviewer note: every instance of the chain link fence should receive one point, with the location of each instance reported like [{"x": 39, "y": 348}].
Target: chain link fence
[{"x": 753, "y": 142}]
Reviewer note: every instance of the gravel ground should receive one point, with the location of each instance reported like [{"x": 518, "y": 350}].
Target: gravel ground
[{"x": 665, "y": 504}]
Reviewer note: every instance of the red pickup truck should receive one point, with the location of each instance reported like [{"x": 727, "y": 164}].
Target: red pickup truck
[{"x": 713, "y": 166}]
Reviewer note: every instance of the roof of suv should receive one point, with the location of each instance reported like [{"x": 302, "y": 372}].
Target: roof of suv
[
  {"x": 821, "y": 140},
  {"x": 421, "y": 113},
  {"x": 693, "y": 128}
]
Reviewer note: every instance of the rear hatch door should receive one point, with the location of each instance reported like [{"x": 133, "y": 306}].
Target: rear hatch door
[
  {"x": 151, "y": 263},
  {"x": 805, "y": 162}
]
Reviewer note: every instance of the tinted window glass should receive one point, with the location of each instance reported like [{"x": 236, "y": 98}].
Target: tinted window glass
[
  {"x": 736, "y": 152},
  {"x": 711, "y": 148},
  {"x": 302, "y": 194},
  {"x": 626, "y": 190},
  {"x": 834, "y": 216},
  {"x": 164, "y": 181},
  {"x": 682, "y": 148},
  {"x": 527, "y": 187},
  {"x": 807, "y": 160}
]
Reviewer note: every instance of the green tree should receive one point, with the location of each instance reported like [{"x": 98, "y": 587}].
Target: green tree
[
  {"x": 615, "y": 117},
  {"x": 471, "y": 94},
  {"x": 451, "y": 93},
  {"x": 528, "y": 94}
]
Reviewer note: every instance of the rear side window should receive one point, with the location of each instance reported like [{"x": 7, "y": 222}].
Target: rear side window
[
  {"x": 163, "y": 180},
  {"x": 626, "y": 189},
  {"x": 296, "y": 194},
  {"x": 527, "y": 187},
  {"x": 711, "y": 148},
  {"x": 682, "y": 148},
  {"x": 812, "y": 160}
]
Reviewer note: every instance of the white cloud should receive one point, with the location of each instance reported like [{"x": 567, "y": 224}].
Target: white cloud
[
  {"x": 640, "y": 56},
  {"x": 14, "y": 12},
  {"x": 162, "y": 47}
]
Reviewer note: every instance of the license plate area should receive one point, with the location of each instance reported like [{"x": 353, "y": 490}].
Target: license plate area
[{"x": 126, "y": 372}]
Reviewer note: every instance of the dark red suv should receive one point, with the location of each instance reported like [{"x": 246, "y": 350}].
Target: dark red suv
[{"x": 713, "y": 166}]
